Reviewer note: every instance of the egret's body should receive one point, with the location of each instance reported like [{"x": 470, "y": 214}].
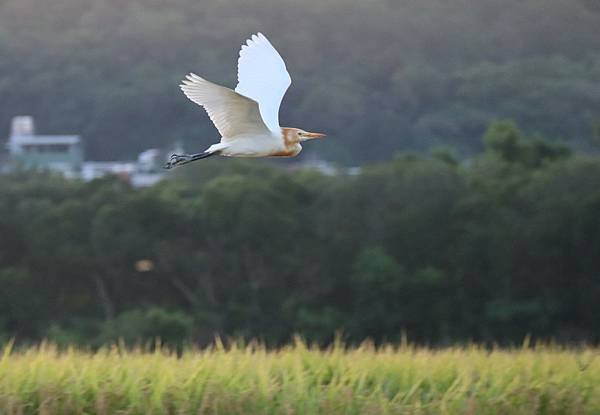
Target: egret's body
[
  {"x": 247, "y": 118},
  {"x": 268, "y": 144}
]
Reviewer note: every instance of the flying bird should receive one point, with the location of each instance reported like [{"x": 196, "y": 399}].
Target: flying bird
[{"x": 248, "y": 117}]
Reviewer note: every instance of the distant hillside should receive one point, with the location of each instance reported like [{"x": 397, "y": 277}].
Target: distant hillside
[{"x": 379, "y": 76}]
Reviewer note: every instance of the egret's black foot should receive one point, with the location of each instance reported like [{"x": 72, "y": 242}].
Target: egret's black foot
[
  {"x": 181, "y": 159},
  {"x": 178, "y": 160}
]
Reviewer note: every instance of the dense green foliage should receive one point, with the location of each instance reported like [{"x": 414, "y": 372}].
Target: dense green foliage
[
  {"x": 495, "y": 248},
  {"x": 378, "y": 75},
  {"x": 301, "y": 380}
]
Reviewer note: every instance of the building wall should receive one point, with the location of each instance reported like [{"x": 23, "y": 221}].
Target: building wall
[{"x": 49, "y": 156}]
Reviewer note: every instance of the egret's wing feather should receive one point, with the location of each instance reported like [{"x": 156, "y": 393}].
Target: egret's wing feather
[
  {"x": 229, "y": 111},
  {"x": 262, "y": 76}
]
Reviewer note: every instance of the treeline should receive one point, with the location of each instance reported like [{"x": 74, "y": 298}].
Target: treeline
[
  {"x": 492, "y": 249},
  {"x": 379, "y": 76}
]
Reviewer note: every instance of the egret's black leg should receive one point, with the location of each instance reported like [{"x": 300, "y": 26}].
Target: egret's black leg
[{"x": 181, "y": 159}]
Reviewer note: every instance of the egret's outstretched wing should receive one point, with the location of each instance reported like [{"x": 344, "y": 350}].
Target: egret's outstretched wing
[
  {"x": 231, "y": 112},
  {"x": 262, "y": 76}
]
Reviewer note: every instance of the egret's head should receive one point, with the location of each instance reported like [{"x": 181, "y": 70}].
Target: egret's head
[{"x": 296, "y": 135}]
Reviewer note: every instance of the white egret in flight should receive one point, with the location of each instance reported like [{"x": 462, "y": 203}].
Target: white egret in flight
[{"x": 247, "y": 118}]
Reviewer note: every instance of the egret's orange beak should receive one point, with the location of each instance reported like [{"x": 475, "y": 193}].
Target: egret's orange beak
[{"x": 314, "y": 135}]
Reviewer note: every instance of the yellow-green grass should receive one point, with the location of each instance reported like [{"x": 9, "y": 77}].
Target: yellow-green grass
[{"x": 301, "y": 380}]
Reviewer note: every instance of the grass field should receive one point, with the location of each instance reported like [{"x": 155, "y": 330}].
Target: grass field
[{"x": 301, "y": 380}]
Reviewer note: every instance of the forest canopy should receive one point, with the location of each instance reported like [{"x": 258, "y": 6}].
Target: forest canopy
[{"x": 496, "y": 249}]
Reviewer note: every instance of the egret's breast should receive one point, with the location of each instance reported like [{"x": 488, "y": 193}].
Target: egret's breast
[{"x": 289, "y": 151}]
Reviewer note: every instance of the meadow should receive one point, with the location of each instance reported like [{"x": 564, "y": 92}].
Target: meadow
[{"x": 300, "y": 379}]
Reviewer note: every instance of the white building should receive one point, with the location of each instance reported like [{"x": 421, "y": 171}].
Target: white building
[
  {"x": 64, "y": 153},
  {"x": 26, "y": 149},
  {"x": 144, "y": 172}
]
